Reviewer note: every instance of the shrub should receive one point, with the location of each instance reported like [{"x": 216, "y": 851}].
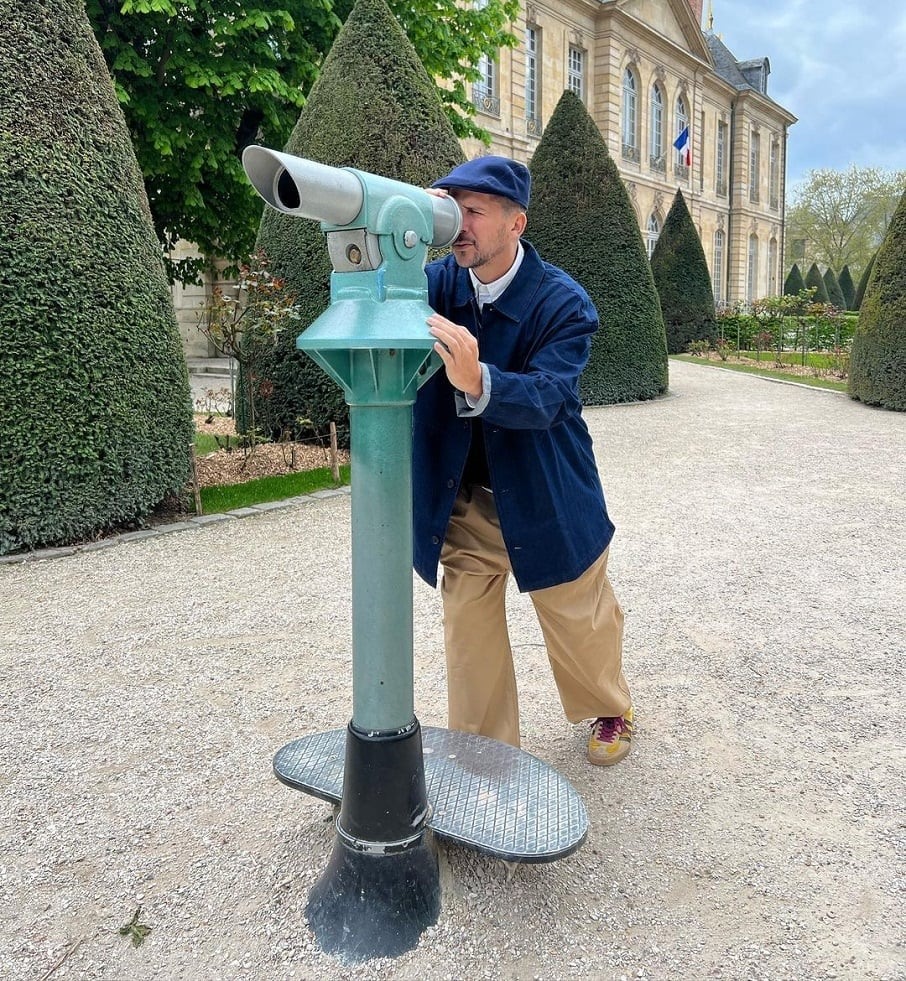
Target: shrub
[
  {"x": 580, "y": 219},
  {"x": 878, "y": 360},
  {"x": 682, "y": 279},
  {"x": 373, "y": 108},
  {"x": 834, "y": 293},
  {"x": 794, "y": 283},
  {"x": 863, "y": 283},
  {"x": 847, "y": 287},
  {"x": 95, "y": 411},
  {"x": 814, "y": 280}
]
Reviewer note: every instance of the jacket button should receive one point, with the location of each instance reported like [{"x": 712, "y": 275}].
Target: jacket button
[
  {"x": 451, "y": 483},
  {"x": 435, "y": 540}
]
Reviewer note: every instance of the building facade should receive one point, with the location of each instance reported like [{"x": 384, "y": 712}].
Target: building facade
[{"x": 647, "y": 74}]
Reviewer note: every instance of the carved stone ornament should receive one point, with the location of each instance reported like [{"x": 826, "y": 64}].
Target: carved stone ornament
[
  {"x": 658, "y": 201},
  {"x": 660, "y": 73},
  {"x": 633, "y": 57},
  {"x": 531, "y": 14},
  {"x": 630, "y": 187}
]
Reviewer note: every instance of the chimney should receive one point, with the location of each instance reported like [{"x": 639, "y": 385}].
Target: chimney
[{"x": 696, "y": 6}]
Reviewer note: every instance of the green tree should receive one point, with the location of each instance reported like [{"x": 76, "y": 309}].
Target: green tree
[
  {"x": 794, "y": 283},
  {"x": 847, "y": 287},
  {"x": 814, "y": 280},
  {"x": 863, "y": 282},
  {"x": 878, "y": 362},
  {"x": 842, "y": 215},
  {"x": 373, "y": 108},
  {"x": 95, "y": 415},
  {"x": 201, "y": 79},
  {"x": 834, "y": 293},
  {"x": 581, "y": 219},
  {"x": 682, "y": 279}
]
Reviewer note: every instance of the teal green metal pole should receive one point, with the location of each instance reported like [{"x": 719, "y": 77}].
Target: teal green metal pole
[{"x": 381, "y": 466}]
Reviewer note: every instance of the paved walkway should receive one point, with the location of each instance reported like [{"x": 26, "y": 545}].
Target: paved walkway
[{"x": 756, "y": 831}]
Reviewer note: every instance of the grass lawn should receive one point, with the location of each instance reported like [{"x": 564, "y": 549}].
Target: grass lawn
[
  {"x": 834, "y": 385},
  {"x": 215, "y": 500}
]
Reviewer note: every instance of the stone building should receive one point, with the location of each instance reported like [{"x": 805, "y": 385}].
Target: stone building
[{"x": 646, "y": 72}]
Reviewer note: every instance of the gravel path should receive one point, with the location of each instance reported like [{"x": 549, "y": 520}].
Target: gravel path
[{"x": 756, "y": 831}]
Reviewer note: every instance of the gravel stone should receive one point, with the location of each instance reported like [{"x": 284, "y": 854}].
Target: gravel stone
[{"x": 755, "y": 832}]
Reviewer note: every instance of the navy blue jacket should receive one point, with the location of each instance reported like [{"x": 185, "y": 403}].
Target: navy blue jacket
[{"x": 535, "y": 340}]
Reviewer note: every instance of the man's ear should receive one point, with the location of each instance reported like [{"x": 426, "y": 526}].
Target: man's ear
[{"x": 519, "y": 223}]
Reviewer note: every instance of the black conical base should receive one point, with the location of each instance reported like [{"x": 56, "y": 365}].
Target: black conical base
[{"x": 374, "y": 905}]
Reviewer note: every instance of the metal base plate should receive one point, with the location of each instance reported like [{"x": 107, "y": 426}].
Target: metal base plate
[{"x": 483, "y": 793}]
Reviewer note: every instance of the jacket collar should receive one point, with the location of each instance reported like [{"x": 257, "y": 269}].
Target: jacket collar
[{"x": 516, "y": 298}]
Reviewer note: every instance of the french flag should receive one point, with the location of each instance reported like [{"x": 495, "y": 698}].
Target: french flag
[{"x": 684, "y": 146}]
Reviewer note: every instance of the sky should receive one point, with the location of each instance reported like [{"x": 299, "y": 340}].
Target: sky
[{"x": 839, "y": 66}]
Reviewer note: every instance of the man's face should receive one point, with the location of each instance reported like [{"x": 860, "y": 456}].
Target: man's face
[{"x": 491, "y": 227}]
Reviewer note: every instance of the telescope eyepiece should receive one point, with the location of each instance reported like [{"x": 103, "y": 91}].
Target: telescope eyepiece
[{"x": 287, "y": 191}]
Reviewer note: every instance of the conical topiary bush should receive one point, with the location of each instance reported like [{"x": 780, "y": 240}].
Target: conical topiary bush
[
  {"x": 682, "y": 279},
  {"x": 794, "y": 284},
  {"x": 863, "y": 282},
  {"x": 814, "y": 279},
  {"x": 580, "y": 219},
  {"x": 877, "y": 372},
  {"x": 374, "y": 108},
  {"x": 95, "y": 413},
  {"x": 834, "y": 293},
  {"x": 847, "y": 287}
]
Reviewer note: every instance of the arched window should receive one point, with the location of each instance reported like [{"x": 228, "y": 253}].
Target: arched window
[
  {"x": 652, "y": 233},
  {"x": 682, "y": 121},
  {"x": 717, "y": 272},
  {"x": 752, "y": 269},
  {"x": 656, "y": 129},
  {"x": 630, "y": 121}
]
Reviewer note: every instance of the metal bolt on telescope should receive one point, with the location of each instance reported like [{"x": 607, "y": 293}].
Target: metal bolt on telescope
[{"x": 381, "y": 887}]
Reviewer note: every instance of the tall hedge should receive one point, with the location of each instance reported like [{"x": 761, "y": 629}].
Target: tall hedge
[
  {"x": 794, "y": 284},
  {"x": 877, "y": 374},
  {"x": 814, "y": 279},
  {"x": 682, "y": 279},
  {"x": 834, "y": 293},
  {"x": 863, "y": 282},
  {"x": 580, "y": 219},
  {"x": 374, "y": 108},
  {"x": 847, "y": 287},
  {"x": 95, "y": 412}
]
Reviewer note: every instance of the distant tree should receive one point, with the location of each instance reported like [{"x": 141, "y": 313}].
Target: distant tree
[
  {"x": 199, "y": 81},
  {"x": 815, "y": 280},
  {"x": 95, "y": 412},
  {"x": 834, "y": 293},
  {"x": 842, "y": 215},
  {"x": 878, "y": 362},
  {"x": 576, "y": 192},
  {"x": 373, "y": 108},
  {"x": 847, "y": 287},
  {"x": 794, "y": 283},
  {"x": 682, "y": 279},
  {"x": 863, "y": 282}
]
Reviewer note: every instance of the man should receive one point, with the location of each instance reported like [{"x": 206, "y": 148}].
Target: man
[{"x": 504, "y": 473}]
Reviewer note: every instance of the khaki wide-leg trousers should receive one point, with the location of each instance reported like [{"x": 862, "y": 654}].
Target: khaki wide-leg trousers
[{"x": 581, "y": 621}]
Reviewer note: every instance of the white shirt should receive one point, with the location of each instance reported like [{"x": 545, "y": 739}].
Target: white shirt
[{"x": 487, "y": 293}]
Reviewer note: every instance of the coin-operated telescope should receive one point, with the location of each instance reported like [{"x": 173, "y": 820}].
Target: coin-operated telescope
[{"x": 381, "y": 887}]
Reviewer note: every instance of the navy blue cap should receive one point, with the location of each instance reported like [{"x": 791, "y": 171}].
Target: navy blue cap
[{"x": 491, "y": 175}]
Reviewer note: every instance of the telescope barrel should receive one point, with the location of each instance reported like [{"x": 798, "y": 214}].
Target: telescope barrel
[{"x": 306, "y": 189}]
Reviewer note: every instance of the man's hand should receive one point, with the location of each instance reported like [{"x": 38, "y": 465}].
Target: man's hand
[{"x": 458, "y": 350}]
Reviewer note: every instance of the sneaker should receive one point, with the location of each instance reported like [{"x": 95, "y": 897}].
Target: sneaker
[{"x": 610, "y": 739}]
